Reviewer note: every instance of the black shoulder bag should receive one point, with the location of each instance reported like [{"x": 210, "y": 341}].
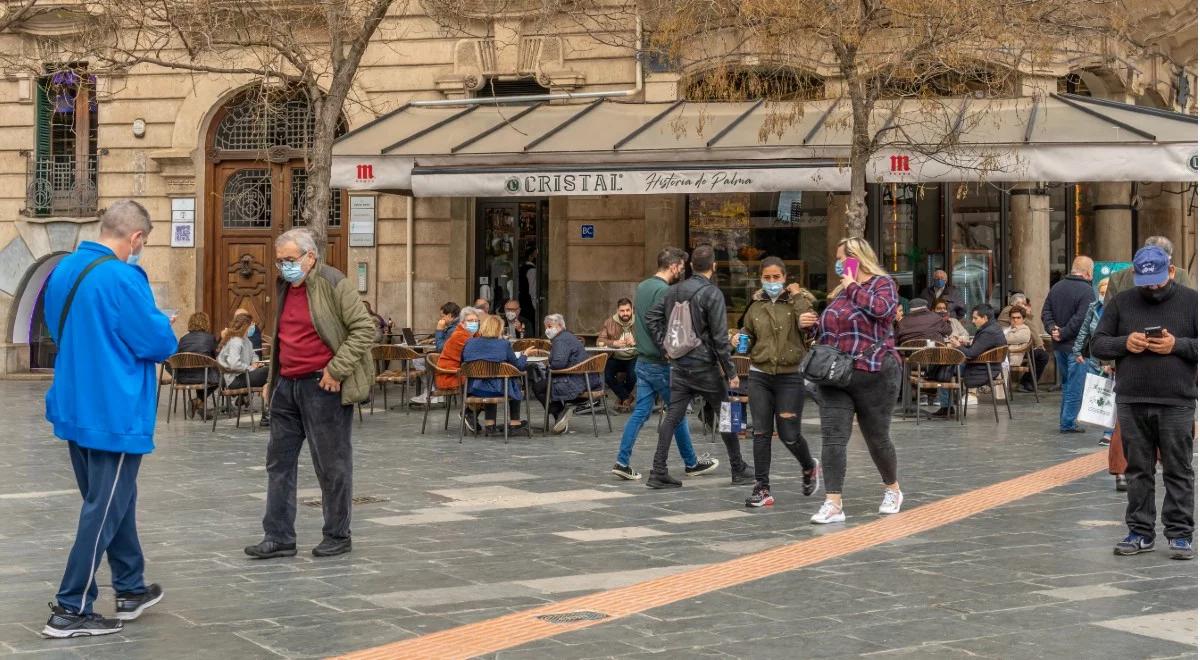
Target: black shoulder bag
[
  {"x": 62, "y": 318},
  {"x": 826, "y": 365}
]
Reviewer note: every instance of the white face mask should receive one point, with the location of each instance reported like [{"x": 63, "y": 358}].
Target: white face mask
[
  {"x": 510, "y": 315},
  {"x": 551, "y": 333}
]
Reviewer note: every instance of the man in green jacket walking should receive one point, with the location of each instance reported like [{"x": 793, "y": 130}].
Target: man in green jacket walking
[{"x": 320, "y": 368}]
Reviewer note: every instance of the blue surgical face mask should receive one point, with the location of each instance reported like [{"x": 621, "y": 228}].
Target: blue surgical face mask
[
  {"x": 251, "y": 329},
  {"x": 134, "y": 258},
  {"x": 472, "y": 326},
  {"x": 839, "y": 268},
  {"x": 291, "y": 271},
  {"x": 772, "y": 289},
  {"x": 939, "y": 284}
]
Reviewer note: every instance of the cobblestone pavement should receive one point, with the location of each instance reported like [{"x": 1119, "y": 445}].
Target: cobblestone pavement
[{"x": 470, "y": 532}]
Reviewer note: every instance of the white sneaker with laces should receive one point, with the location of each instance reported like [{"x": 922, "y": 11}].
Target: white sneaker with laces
[
  {"x": 829, "y": 513},
  {"x": 892, "y": 499}
]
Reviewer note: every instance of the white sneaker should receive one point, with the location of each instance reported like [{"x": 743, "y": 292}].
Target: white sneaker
[
  {"x": 892, "y": 499},
  {"x": 424, "y": 398},
  {"x": 829, "y": 513}
]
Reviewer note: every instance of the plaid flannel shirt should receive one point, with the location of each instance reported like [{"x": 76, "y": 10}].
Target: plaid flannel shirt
[{"x": 860, "y": 316}]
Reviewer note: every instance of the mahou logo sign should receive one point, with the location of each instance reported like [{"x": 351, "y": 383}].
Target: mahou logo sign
[
  {"x": 364, "y": 173},
  {"x": 899, "y": 163}
]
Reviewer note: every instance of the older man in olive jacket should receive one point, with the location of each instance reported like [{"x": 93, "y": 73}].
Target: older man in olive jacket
[{"x": 320, "y": 368}]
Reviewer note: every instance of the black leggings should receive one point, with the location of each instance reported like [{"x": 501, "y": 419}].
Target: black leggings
[
  {"x": 871, "y": 396},
  {"x": 772, "y": 396},
  {"x": 514, "y": 411}
]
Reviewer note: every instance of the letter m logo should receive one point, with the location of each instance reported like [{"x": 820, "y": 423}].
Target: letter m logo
[
  {"x": 364, "y": 172},
  {"x": 899, "y": 163}
]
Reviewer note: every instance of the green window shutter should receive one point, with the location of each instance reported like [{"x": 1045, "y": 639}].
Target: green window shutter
[{"x": 43, "y": 112}]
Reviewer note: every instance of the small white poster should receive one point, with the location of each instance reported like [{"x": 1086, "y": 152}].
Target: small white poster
[
  {"x": 183, "y": 209},
  {"x": 362, "y": 221}
]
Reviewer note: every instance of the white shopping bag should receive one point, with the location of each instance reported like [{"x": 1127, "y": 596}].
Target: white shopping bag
[{"x": 1099, "y": 402}]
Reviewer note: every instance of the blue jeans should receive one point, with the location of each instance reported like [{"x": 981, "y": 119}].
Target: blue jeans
[
  {"x": 1072, "y": 394},
  {"x": 653, "y": 379}
]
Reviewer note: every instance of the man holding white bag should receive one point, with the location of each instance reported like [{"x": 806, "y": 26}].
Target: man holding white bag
[{"x": 1151, "y": 332}]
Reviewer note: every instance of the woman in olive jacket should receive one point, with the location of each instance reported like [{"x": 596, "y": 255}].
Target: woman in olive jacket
[{"x": 776, "y": 322}]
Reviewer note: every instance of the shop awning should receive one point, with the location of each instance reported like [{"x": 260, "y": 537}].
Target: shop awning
[{"x": 607, "y": 147}]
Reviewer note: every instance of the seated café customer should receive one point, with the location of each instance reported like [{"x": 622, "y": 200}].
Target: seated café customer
[
  {"x": 199, "y": 339},
  {"x": 617, "y": 332},
  {"x": 957, "y": 329},
  {"x": 255, "y": 333},
  {"x": 515, "y": 325},
  {"x": 1018, "y": 335},
  {"x": 446, "y": 324},
  {"x": 1040, "y": 358},
  {"x": 450, "y": 359},
  {"x": 489, "y": 346},
  {"x": 566, "y": 351},
  {"x": 921, "y": 324},
  {"x": 236, "y": 355},
  {"x": 988, "y": 336},
  {"x": 380, "y": 324},
  {"x": 483, "y": 306}
]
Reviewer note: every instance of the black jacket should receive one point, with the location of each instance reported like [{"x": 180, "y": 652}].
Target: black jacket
[
  {"x": 708, "y": 320},
  {"x": 203, "y": 343},
  {"x": 923, "y": 325},
  {"x": 1066, "y": 308},
  {"x": 951, "y": 294},
  {"x": 989, "y": 336},
  {"x": 1147, "y": 377}
]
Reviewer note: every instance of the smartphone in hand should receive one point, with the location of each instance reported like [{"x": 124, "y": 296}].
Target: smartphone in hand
[
  {"x": 1154, "y": 332},
  {"x": 850, "y": 267}
]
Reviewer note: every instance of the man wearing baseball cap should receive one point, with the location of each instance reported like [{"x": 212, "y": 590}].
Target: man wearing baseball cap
[{"x": 1151, "y": 333}]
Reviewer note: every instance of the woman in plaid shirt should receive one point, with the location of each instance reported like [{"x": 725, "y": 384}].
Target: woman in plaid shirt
[{"x": 858, "y": 322}]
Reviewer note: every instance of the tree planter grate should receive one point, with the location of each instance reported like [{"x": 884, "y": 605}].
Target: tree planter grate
[
  {"x": 365, "y": 499},
  {"x": 572, "y": 617}
]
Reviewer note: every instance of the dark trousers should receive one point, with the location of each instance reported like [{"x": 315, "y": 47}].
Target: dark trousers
[
  {"x": 301, "y": 410},
  {"x": 1040, "y": 359},
  {"x": 514, "y": 411},
  {"x": 107, "y": 526},
  {"x": 687, "y": 384},
  {"x": 623, "y": 389},
  {"x": 1148, "y": 430},
  {"x": 870, "y": 396},
  {"x": 772, "y": 397}
]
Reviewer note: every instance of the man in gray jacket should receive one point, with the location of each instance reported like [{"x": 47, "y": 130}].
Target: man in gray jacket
[{"x": 706, "y": 371}]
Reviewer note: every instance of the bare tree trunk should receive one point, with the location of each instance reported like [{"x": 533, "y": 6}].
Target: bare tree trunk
[
  {"x": 860, "y": 154},
  {"x": 317, "y": 193}
]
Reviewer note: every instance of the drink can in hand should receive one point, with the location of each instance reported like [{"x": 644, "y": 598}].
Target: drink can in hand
[{"x": 743, "y": 345}]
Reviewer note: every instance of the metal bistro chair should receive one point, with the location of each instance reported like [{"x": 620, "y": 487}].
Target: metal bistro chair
[
  {"x": 995, "y": 358},
  {"x": 432, "y": 370},
  {"x": 190, "y": 362},
  {"x": 383, "y": 355},
  {"x": 164, "y": 378},
  {"x": 237, "y": 388},
  {"x": 482, "y": 370},
  {"x": 1028, "y": 366},
  {"x": 539, "y": 344},
  {"x": 593, "y": 366},
  {"x": 938, "y": 357},
  {"x": 537, "y": 352}
]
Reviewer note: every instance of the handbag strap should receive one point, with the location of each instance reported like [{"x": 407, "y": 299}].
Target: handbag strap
[{"x": 62, "y": 318}]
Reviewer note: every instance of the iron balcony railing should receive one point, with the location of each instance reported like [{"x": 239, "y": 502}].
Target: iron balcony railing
[{"x": 60, "y": 186}]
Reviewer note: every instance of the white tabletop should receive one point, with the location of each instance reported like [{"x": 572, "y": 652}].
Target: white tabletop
[
  {"x": 537, "y": 358},
  {"x": 606, "y": 349}
]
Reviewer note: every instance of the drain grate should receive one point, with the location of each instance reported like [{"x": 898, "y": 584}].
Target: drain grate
[
  {"x": 365, "y": 499},
  {"x": 572, "y": 617}
]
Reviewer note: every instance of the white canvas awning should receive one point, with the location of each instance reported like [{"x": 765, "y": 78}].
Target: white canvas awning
[{"x": 606, "y": 147}]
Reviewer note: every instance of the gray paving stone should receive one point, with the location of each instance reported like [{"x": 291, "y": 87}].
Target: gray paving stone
[
  {"x": 1177, "y": 627},
  {"x": 612, "y": 534}
]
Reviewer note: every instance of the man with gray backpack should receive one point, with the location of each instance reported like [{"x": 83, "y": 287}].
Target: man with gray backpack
[{"x": 690, "y": 326}]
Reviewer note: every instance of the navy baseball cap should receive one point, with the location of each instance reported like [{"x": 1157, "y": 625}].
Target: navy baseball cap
[{"x": 1151, "y": 266}]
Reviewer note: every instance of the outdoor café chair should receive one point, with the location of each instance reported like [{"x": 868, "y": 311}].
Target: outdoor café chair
[
  {"x": 451, "y": 395},
  {"x": 994, "y": 360},
  {"x": 1028, "y": 366},
  {"x": 385, "y": 354},
  {"x": 593, "y": 366},
  {"x": 922, "y": 359},
  {"x": 238, "y": 389},
  {"x": 540, "y": 344},
  {"x": 190, "y": 362},
  {"x": 481, "y": 370}
]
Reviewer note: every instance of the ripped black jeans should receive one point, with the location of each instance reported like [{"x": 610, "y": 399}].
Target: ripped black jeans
[{"x": 771, "y": 398}]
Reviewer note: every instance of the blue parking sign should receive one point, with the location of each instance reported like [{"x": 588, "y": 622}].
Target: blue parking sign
[{"x": 587, "y": 231}]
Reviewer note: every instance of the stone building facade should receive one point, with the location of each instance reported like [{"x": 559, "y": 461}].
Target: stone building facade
[{"x": 170, "y": 140}]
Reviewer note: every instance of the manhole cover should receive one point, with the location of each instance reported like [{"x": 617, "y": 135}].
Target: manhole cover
[
  {"x": 572, "y": 617},
  {"x": 366, "y": 499}
]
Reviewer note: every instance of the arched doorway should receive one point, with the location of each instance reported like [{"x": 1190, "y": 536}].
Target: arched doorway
[
  {"x": 256, "y": 174},
  {"x": 28, "y": 314}
]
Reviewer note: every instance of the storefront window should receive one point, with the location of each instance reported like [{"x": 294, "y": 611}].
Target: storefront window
[
  {"x": 744, "y": 228},
  {"x": 976, "y": 241},
  {"x": 1059, "y": 261},
  {"x": 910, "y": 234}
]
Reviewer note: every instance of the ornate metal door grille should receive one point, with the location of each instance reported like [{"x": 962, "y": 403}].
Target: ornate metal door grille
[{"x": 246, "y": 200}]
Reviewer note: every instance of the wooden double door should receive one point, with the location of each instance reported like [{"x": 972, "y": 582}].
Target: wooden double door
[{"x": 250, "y": 204}]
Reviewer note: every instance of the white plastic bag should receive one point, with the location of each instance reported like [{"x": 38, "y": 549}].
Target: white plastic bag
[{"x": 1099, "y": 402}]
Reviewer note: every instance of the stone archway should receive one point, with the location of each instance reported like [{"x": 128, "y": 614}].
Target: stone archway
[{"x": 26, "y": 262}]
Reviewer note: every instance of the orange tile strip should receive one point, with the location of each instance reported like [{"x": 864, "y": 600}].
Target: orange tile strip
[{"x": 523, "y": 627}]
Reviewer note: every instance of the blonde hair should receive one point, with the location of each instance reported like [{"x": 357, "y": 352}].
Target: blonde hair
[
  {"x": 868, "y": 263},
  {"x": 491, "y": 326}
]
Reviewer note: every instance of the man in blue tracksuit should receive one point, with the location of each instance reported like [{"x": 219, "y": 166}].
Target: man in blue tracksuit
[{"x": 103, "y": 402}]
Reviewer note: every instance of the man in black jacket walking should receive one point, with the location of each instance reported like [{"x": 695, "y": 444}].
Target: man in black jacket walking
[
  {"x": 1062, "y": 316},
  {"x": 705, "y": 371},
  {"x": 1151, "y": 333}
]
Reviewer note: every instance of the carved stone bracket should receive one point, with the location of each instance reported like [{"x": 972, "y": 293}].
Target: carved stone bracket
[{"x": 178, "y": 170}]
